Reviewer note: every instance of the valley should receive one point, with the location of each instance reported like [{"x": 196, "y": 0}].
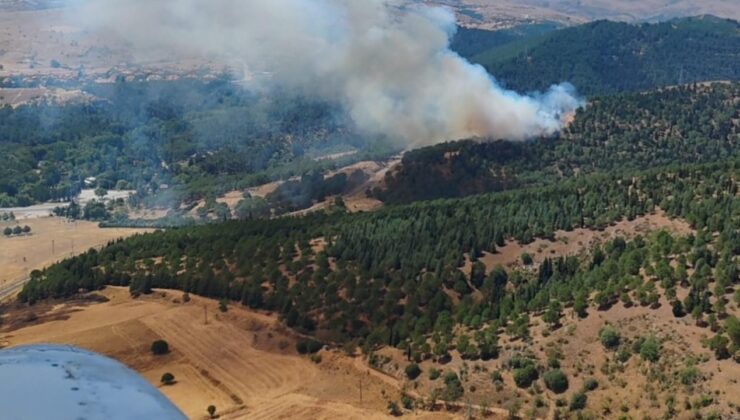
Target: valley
[{"x": 322, "y": 209}]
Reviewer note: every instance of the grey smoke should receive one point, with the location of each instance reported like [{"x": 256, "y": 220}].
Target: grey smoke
[{"x": 387, "y": 62}]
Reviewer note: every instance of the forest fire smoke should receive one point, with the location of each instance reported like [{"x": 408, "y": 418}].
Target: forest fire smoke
[{"x": 387, "y": 62}]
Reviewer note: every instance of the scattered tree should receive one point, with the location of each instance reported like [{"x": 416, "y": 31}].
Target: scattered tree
[
  {"x": 590, "y": 384},
  {"x": 160, "y": 347},
  {"x": 578, "y": 401},
  {"x": 100, "y": 192},
  {"x": 308, "y": 346},
  {"x": 168, "y": 379},
  {"x": 413, "y": 371},
  {"x": 553, "y": 314},
  {"x": 556, "y": 381},
  {"x": 527, "y": 259},
  {"x": 524, "y": 376},
  {"x": 650, "y": 349},
  {"x": 609, "y": 337},
  {"x": 718, "y": 344}
]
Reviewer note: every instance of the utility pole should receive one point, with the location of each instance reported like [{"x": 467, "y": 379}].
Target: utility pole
[
  {"x": 360, "y": 391},
  {"x": 52, "y": 247}
]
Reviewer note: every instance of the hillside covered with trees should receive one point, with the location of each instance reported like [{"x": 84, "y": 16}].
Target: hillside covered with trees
[
  {"x": 609, "y": 57},
  {"x": 354, "y": 286},
  {"x": 618, "y": 134}
]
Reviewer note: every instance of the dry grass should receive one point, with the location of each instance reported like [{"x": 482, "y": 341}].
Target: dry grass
[
  {"x": 627, "y": 386},
  {"x": 241, "y": 361},
  {"x": 20, "y": 255}
]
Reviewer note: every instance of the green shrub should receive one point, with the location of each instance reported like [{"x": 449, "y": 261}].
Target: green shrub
[
  {"x": 527, "y": 259},
  {"x": 523, "y": 377},
  {"x": 413, "y": 371},
  {"x": 393, "y": 409},
  {"x": 637, "y": 344},
  {"x": 718, "y": 344},
  {"x": 650, "y": 349},
  {"x": 160, "y": 347},
  {"x": 609, "y": 337},
  {"x": 578, "y": 401},
  {"x": 168, "y": 379},
  {"x": 556, "y": 381},
  {"x": 434, "y": 374},
  {"x": 453, "y": 387},
  {"x": 590, "y": 384},
  {"x": 623, "y": 354},
  {"x": 308, "y": 346},
  {"x": 689, "y": 375}
]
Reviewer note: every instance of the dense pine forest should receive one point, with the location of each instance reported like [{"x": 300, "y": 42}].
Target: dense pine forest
[
  {"x": 470, "y": 42},
  {"x": 393, "y": 275},
  {"x": 609, "y": 57},
  {"x": 619, "y": 133}
]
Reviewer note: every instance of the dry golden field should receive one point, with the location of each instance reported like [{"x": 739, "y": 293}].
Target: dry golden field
[
  {"x": 242, "y": 362},
  {"x": 19, "y": 255}
]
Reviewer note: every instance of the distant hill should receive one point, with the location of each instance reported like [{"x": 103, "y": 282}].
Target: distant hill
[
  {"x": 469, "y": 42},
  {"x": 638, "y": 11},
  {"x": 26, "y": 5},
  {"x": 497, "y": 14},
  {"x": 607, "y": 57}
]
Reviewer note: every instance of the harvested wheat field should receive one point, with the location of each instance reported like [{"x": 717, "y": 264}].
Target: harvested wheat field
[
  {"x": 242, "y": 362},
  {"x": 51, "y": 239}
]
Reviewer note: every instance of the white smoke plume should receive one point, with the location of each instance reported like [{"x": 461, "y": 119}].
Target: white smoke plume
[{"x": 388, "y": 62}]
